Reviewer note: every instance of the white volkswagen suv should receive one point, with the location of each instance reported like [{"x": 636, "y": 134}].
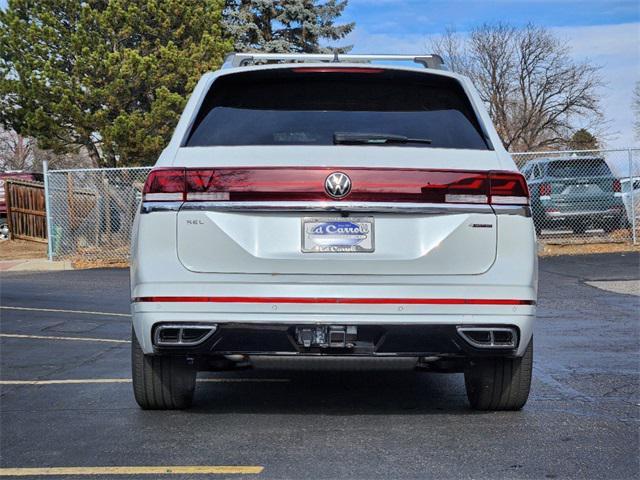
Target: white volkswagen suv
[{"x": 325, "y": 205}]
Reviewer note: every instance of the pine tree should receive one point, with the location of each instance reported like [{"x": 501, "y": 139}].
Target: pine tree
[
  {"x": 111, "y": 76},
  {"x": 583, "y": 140},
  {"x": 295, "y": 26}
]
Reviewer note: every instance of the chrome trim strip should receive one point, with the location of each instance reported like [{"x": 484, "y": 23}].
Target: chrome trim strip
[
  {"x": 180, "y": 327},
  {"x": 492, "y": 343},
  {"x": 148, "y": 207},
  {"x": 522, "y": 210},
  {"x": 381, "y": 207},
  {"x": 378, "y": 207},
  {"x": 583, "y": 213}
]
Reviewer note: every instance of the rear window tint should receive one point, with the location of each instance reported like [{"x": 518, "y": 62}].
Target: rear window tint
[
  {"x": 587, "y": 167},
  {"x": 285, "y": 107}
]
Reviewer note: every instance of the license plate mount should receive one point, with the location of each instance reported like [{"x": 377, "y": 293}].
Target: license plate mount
[{"x": 338, "y": 235}]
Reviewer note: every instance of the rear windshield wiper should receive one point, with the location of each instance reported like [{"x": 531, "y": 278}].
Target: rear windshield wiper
[{"x": 352, "y": 138}]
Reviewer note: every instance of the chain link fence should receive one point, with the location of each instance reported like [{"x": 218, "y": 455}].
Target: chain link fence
[
  {"x": 91, "y": 211},
  {"x": 584, "y": 196},
  {"x": 576, "y": 197}
]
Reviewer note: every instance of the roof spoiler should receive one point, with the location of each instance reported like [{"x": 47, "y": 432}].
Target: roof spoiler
[{"x": 234, "y": 60}]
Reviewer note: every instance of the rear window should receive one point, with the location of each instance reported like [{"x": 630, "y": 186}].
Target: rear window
[
  {"x": 302, "y": 107},
  {"x": 586, "y": 167}
]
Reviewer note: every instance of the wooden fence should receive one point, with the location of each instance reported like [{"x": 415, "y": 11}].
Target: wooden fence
[{"x": 26, "y": 213}]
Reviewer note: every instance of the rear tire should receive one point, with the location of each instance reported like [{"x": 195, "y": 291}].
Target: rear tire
[
  {"x": 580, "y": 229},
  {"x": 540, "y": 225},
  {"x": 499, "y": 383},
  {"x": 5, "y": 233},
  {"x": 161, "y": 382},
  {"x": 613, "y": 225}
]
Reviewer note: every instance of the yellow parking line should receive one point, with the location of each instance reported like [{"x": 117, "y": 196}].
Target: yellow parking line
[
  {"x": 80, "y": 381},
  {"x": 169, "y": 470},
  {"x": 48, "y": 337},
  {"x": 54, "y": 310}
]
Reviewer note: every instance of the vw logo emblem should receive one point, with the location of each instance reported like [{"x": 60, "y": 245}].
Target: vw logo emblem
[{"x": 337, "y": 185}]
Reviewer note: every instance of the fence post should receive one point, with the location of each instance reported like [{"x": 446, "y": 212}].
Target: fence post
[
  {"x": 47, "y": 207},
  {"x": 632, "y": 199}
]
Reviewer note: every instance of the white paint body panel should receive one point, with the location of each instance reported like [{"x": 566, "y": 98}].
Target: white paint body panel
[
  {"x": 404, "y": 245},
  {"x": 258, "y": 254}
]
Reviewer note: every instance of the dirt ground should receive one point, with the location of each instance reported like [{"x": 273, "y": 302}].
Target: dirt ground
[
  {"x": 83, "y": 264},
  {"x": 22, "y": 250},
  {"x": 553, "y": 250}
]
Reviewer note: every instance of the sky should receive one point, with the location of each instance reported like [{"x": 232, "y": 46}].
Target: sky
[{"x": 604, "y": 32}]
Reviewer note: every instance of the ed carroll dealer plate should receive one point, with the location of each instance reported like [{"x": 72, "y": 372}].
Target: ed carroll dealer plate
[{"x": 337, "y": 234}]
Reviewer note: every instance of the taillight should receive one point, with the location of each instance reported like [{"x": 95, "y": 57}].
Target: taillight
[
  {"x": 508, "y": 189},
  {"x": 544, "y": 189},
  {"x": 616, "y": 185},
  {"x": 206, "y": 185},
  {"x": 272, "y": 184},
  {"x": 164, "y": 185}
]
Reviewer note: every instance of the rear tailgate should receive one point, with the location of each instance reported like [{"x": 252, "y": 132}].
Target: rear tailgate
[
  {"x": 446, "y": 239},
  {"x": 271, "y": 243},
  {"x": 265, "y": 138},
  {"x": 581, "y": 186},
  {"x": 584, "y": 194}
]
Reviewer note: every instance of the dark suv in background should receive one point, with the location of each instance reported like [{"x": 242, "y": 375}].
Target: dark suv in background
[{"x": 575, "y": 194}]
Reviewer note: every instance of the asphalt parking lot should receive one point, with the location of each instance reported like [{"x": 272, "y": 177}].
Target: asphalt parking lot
[{"x": 66, "y": 400}]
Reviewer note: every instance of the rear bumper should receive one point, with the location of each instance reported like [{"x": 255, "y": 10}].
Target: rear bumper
[
  {"x": 607, "y": 213},
  {"x": 171, "y": 293},
  {"x": 384, "y": 340},
  {"x": 553, "y": 210},
  {"x": 409, "y": 333}
]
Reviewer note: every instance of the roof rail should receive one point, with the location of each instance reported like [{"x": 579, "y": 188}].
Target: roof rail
[{"x": 244, "y": 59}]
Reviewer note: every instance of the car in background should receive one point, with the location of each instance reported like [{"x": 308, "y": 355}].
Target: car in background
[
  {"x": 5, "y": 234},
  {"x": 575, "y": 193},
  {"x": 630, "y": 193}
]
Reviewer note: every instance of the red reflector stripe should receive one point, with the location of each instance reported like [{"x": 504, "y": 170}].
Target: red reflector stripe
[{"x": 360, "y": 301}]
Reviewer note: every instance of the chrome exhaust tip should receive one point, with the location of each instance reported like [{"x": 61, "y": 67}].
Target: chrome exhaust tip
[
  {"x": 490, "y": 337},
  {"x": 182, "y": 334}
]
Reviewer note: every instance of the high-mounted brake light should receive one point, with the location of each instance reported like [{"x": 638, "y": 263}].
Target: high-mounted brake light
[
  {"x": 337, "y": 70},
  {"x": 274, "y": 184}
]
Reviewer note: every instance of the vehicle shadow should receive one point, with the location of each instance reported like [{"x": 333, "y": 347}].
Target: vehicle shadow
[{"x": 333, "y": 392}]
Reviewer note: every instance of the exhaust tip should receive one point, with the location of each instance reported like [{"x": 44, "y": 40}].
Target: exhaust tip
[
  {"x": 182, "y": 335},
  {"x": 490, "y": 337}
]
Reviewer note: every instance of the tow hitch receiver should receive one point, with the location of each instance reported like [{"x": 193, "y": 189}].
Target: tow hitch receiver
[{"x": 330, "y": 336}]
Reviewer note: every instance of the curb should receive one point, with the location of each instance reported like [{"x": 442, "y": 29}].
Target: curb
[{"x": 34, "y": 265}]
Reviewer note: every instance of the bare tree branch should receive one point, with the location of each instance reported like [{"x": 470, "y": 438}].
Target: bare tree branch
[
  {"x": 535, "y": 93},
  {"x": 15, "y": 151},
  {"x": 22, "y": 153}
]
